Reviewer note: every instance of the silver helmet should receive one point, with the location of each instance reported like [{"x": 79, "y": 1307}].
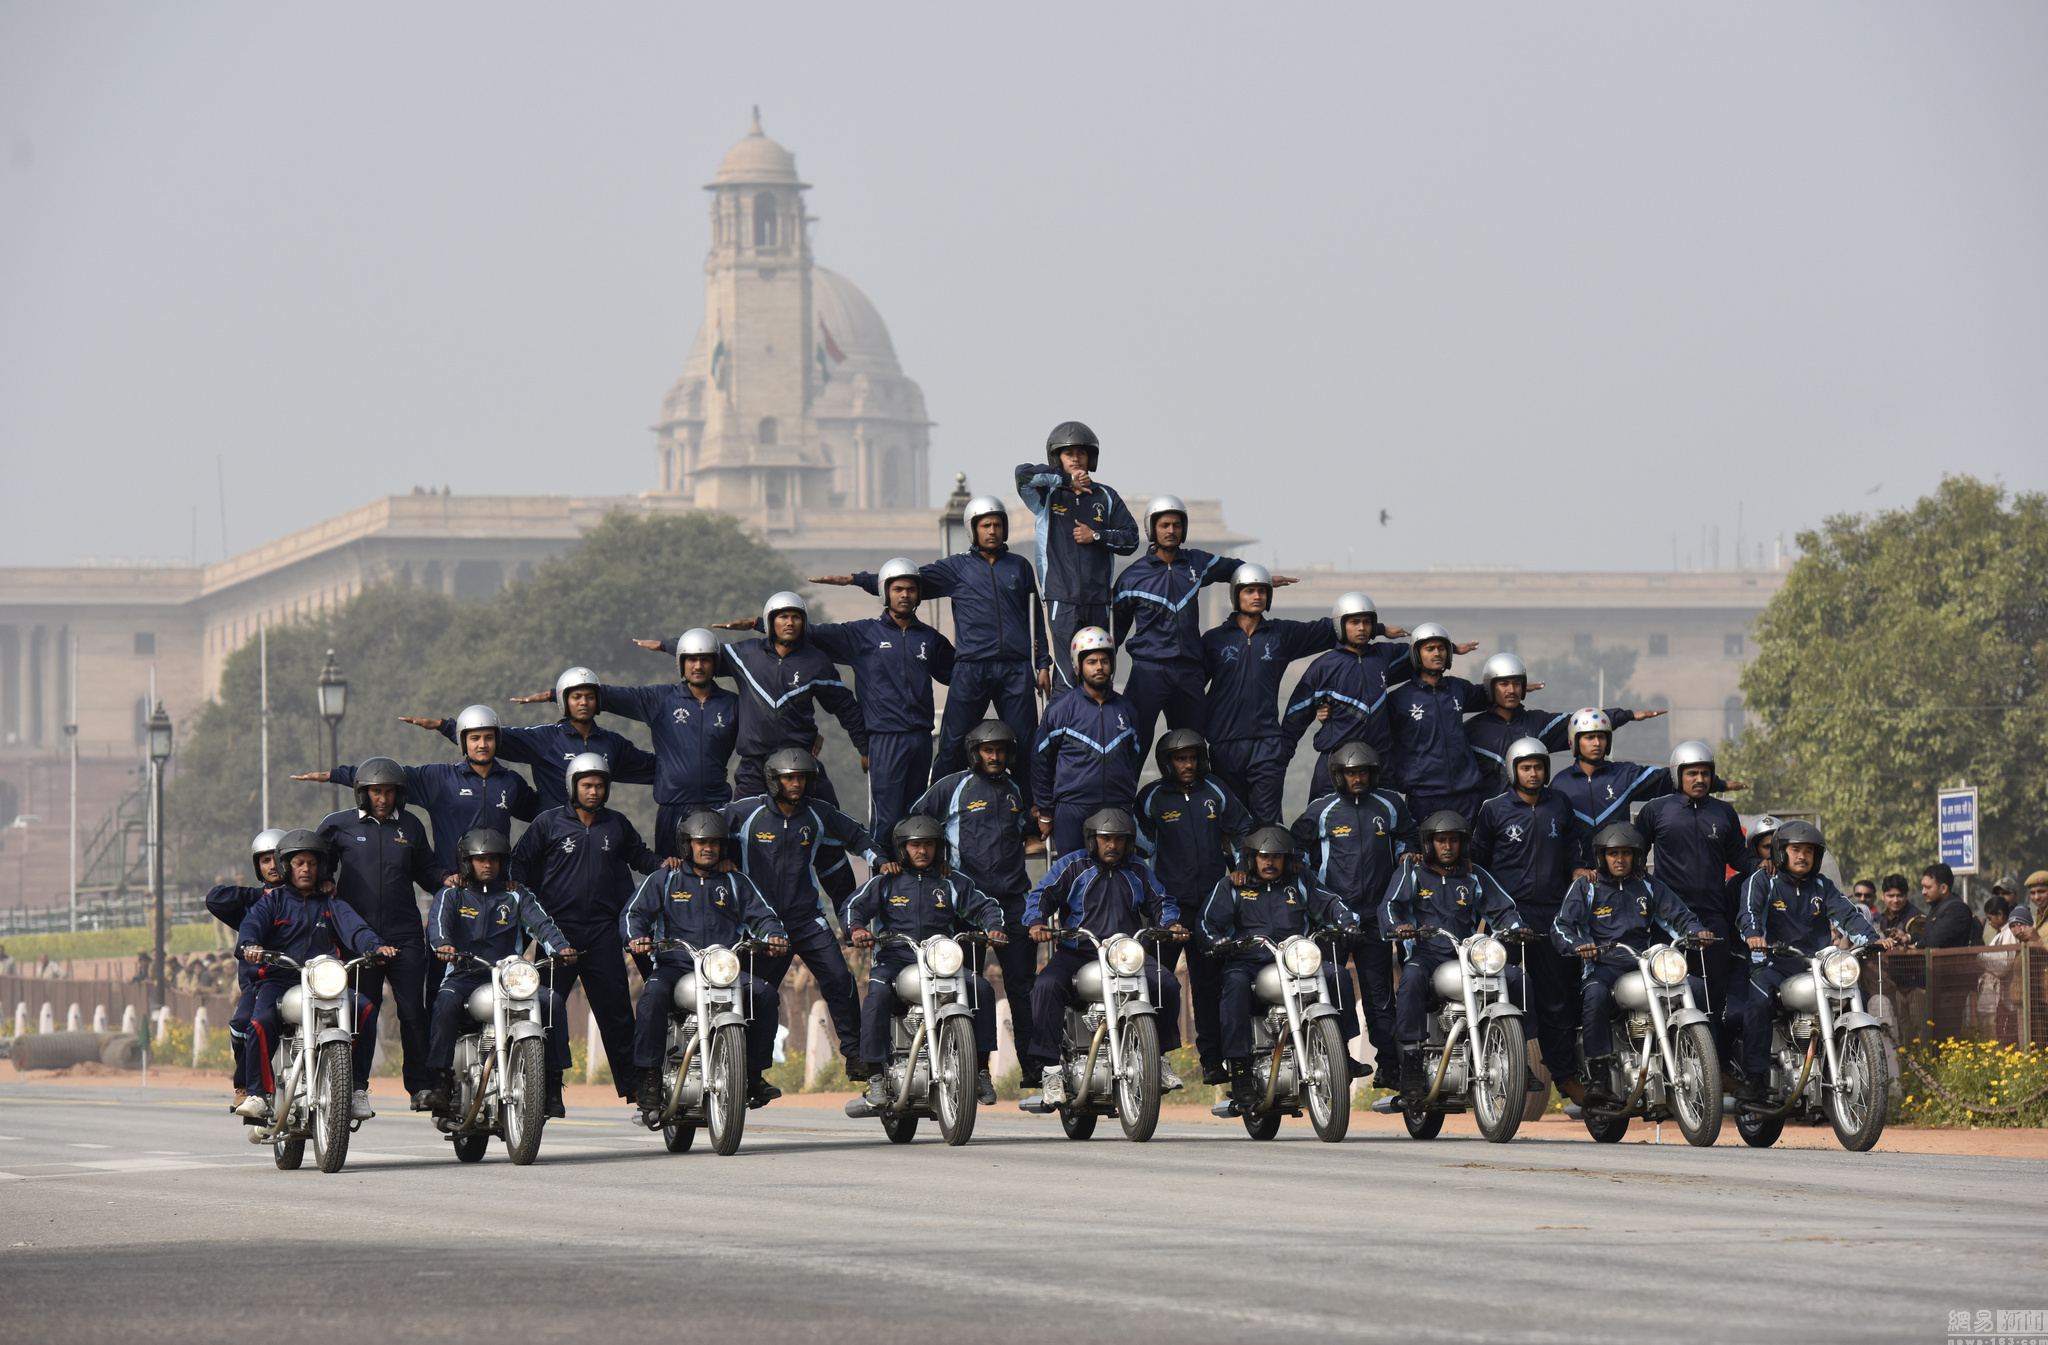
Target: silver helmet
[
  {"x": 1353, "y": 603},
  {"x": 696, "y": 642},
  {"x": 1247, "y": 576},
  {"x": 980, "y": 507},
  {"x": 264, "y": 844},
  {"x": 1691, "y": 752},
  {"x": 587, "y": 763},
  {"x": 1163, "y": 504},
  {"x": 1523, "y": 749},
  {"x": 1500, "y": 668},
  {"x": 784, "y": 601},
  {"x": 569, "y": 681},
  {"x": 891, "y": 571},
  {"x": 472, "y": 719},
  {"x": 1430, "y": 630}
]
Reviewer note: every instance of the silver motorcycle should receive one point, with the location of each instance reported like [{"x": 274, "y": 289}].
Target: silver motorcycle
[
  {"x": 1665, "y": 1065},
  {"x": 313, "y": 1064},
  {"x": 1090, "y": 1082},
  {"x": 500, "y": 1066},
  {"x": 1299, "y": 1060},
  {"x": 1827, "y": 1055},
  {"x": 1476, "y": 1057},
  {"x": 932, "y": 1058},
  {"x": 702, "y": 1075}
]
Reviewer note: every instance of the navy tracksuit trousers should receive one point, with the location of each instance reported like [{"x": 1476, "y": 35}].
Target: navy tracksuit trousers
[
  {"x": 451, "y": 1020},
  {"x": 412, "y": 976},
  {"x": 1063, "y": 619},
  {"x": 1235, "y": 1004},
  {"x": 978, "y": 683},
  {"x": 1760, "y": 1001},
  {"x": 1411, "y": 1000},
  {"x": 1554, "y": 993},
  {"x": 899, "y": 772},
  {"x": 1255, "y": 769},
  {"x": 1372, "y": 959},
  {"x": 657, "y": 999},
  {"x": 812, "y": 940},
  {"x": 1596, "y": 999},
  {"x": 238, "y": 1027},
  {"x": 1205, "y": 989},
  {"x": 1052, "y": 994},
  {"x": 1177, "y": 688},
  {"x": 265, "y": 1026},
  {"x": 881, "y": 1005},
  {"x": 601, "y": 967},
  {"x": 1019, "y": 960}
]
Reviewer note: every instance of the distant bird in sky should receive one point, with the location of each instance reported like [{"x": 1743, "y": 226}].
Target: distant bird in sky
[
  {"x": 1384, "y": 516},
  {"x": 1874, "y": 489}
]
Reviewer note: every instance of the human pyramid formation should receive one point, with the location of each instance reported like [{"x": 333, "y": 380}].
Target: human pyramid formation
[{"x": 1433, "y": 807}]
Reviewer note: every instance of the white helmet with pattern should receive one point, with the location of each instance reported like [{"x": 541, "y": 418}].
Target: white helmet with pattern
[
  {"x": 1592, "y": 719},
  {"x": 1087, "y": 640}
]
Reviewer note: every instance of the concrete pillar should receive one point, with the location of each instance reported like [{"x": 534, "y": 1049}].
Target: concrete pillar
[
  {"x": 46, "y": 1021},
  {"x": 128, "y": 1019},
  {"x": 160, "y": 1020},
  {"x": 99, "y": 1018},
  {"x": 21, "y": 1018},
  {"x": 1006, "y": 1041},
  {"x": 73, "y": 1018},
  {"x": 199, "y": 1034},
  {"x": 593, "y": 1048},
  {"x": 818, "y": 1042}
]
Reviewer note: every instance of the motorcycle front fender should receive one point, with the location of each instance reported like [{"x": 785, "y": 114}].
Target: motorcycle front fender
[
  {"x": 1684, "y": 1017},
  {"x": 954, "y": 1010},
  {"x": 340, "y": 1034},
  {"x": 728, "y": 1019},
  {"x": 1501, "y": 1008},
  {"x": 1133, "y": 1007},
  {"x": 1312, "y": 1012},
  {"x": 1854, "y": 1018},
  {"x": 525, "y": 1028}
]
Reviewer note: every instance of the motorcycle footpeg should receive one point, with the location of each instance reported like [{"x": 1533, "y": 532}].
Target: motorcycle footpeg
[
  {"x": 859, "y": 1108},
  {"x": 1036, "y": 1105}
]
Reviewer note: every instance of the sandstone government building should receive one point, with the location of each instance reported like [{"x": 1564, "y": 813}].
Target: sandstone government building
[{"x": 791, "y": 414}]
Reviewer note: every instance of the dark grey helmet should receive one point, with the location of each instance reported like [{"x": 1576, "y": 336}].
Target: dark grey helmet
[
  {"x": 379, "y": 771},
  {"x": 1270, "y": 840},
  {"x": 787, "y": 761},
  {"x": 1107, "y": 822},
  {"x": 264, "y": 844},
  {"x": 1072, "y": 434},
  {"x": 1443, "y": 823},
  {"x": 1619, "y": 836},
  {"x": 302, "y": 841},
  {"x": 702, "y": 825},
  {"x": 1180, "y": 740},
  {"x": 917, "y": 827},
  {"x": 989, "y": 732},
  {"x": 1353, "y": 756},
  {"x": 480, "y": 841},
  {"x": 1799, "y": 832}
]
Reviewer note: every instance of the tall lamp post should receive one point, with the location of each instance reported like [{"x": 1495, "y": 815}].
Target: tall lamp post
[
  {"x": 159, "y": 754},
  {"x": 333, "y": 689},
  {"x": 953, "y": 535}
]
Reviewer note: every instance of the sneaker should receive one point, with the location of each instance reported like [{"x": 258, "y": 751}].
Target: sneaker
[
  {"x": 1213, "y": 1073},
  {"x": 1054, "y": 1084},
  {"x": 760, "y": 1093},
  {"x": 241, "y": 1096},
  {"x": 878, "y": 1091},
  {"x": 1168, "y": 1080},
  {"x": 984, "y": 1089},
  {"x": 254, "y": 1106},
  {"x": 555, "y": 1110},
  {"x": 857, "y": 1069},
  {"x": 359, "y": 1106},
  {"x": 1359, "y": 1069}
]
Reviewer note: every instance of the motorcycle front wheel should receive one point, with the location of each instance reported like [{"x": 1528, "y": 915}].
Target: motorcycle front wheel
[
  {"x": 333, "y": 1075},
  {"x": 955, "y": 1080},
  {"x": 1327, "y": 1074},
  {"x": 525, "y": 1110},
  {"x": 1079, "y": 1125},
  {"x": 470, "y": 1148},
  {"x": 725, "y": 1088},
  {"x": 1696, "y": 1092},
  {"x": 1856, "y": 1107},
  {"x": 1500, "y": 1084},
  {"x": 1137, "y": 1099},
  {"x": 1759, "y": 1132},
  {"x": 1423, "y": 1125}
]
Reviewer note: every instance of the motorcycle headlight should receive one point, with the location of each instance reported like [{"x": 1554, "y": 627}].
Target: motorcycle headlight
[
  {"x": 1301, "y": 957},
  {"x": 1488, "y": 956},
  {"x": 326, "y": 978},
  {"x": 519, "y": 977},
  {"x": 942, "y": 955},
  {"x": 1126, "y": 956},
  {"x": 1841, "y": 969},
  {"x": 1667, "y": 967},
  {"x": 719, "y": 966}
]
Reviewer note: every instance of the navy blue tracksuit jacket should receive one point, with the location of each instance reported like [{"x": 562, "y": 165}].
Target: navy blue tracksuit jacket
[
  {"x": 1614, "y": 786},
  {"x": 777, "y": 695},
  {"x": 302, "y": 928},
  {"x": 693, "y": 740},
  {"x": 1353, "y": 846},
  {"x": 1070, "y": 572},
  {"x": 1158, "y": 605},
  {"x": 699, "y": 908},
  {"x": 491, "y": 921},
  {"x": 1532, "y": 848},
  {"x": 1603, "y": 910},
  {"x": 1245, "y": 672},
  {"x": 1085, "y": 758},
  {"x": 1277, "y": 910},
  {"x": 996, "y": 614},
  {"x": 377, "y": 865},
  {"x": 549, "y": 748},
  {"x": 1355, "y": 684},
  {"x": 1696, "y": 844},
  {"x": 1432, "y": 757},
  {"x": 787, "y": 856},
  {"x": 455, "y": 799},
  {"x": 1491, "y": 736},
  {"x": 1189, "y": 836},
  {"x": 894, "y": 669},
  {"x": 986, "y": 824},
  {"x": 583, "y": 874}
]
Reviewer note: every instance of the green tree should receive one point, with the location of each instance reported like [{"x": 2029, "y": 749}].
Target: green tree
[{"x": 1905, "y": 653}]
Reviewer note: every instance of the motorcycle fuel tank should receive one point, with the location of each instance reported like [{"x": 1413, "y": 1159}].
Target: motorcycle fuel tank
[
  {"x": 909, "y": 984},
  {"x": 686, "y": 991},
  {"x": 1088, "y": 981},
  {"x": 1448, "y": 980},
  {"x": 1270, "y": 987},
  {"x": 1630, "y": 992},
  {"x": 483, "y": 1003},
  {"x": 1797, "y": 993}
]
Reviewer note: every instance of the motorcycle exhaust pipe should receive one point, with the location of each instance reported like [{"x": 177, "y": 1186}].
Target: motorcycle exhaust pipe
[
  {"x": 1805, "y": 1072},
  {"x": 483, "y": 1082},
  {"x": 1094, "y": 1045},
  {"x": 1272, "y": 1079},
  {"x": 675, "y": 1090},
  {"x": 910, "y": 1070},
  {"x": 1443, "y": 1064}
]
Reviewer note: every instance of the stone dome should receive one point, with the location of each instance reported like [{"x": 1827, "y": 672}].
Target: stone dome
[
  {"x": 856, "y": 330},
  {"x": 757, "y": 159}
]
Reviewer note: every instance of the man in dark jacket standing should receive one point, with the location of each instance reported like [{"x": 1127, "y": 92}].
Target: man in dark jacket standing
[
  {"x": 1083, "y": 526},
  {"x": 1949, "y": 922},
  {"x": 1086, "y": 757}
]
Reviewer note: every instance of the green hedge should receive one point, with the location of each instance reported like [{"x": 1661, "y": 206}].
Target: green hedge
[{"x": 179, "y": 940}]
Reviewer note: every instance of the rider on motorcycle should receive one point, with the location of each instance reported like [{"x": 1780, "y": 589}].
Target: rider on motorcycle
[
  {"x": 1450, "y": 892},
  {"x": 923, "y": 899},
  {"x": 1102, "y": 889},
  {"x": 302, "y": 922},
  {"x": 490, "y": 918},
  {"x": 1276, "y": 902},
  {"x": 1799, "y": 907},
  {"x": 228, "y": 903},
  {"x": 1621, "y": 903},
  {"x": 702, "y": 906}
]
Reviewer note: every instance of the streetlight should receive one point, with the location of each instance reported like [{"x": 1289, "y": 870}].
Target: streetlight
[
  {"x": 333, "y": 690},
  {"x": 159, "y": 753},
  {"x": 953, "y": 535}
]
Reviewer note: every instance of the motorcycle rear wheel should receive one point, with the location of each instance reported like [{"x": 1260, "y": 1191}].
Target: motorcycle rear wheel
[
  {"x": 954, "y": 1078},
  {"x": 900, "y": 1129},
  {"x": 1423, "y": 1125},
  {"x": 1500, "y": 1081},
  {"x": 1329, "y": 1101},
  {"x": 525, "y": 1113},
  {"x": 1857, "y": 1108},
  {"x": 288, "y": 1154},
  {"x": 678, "y": 1136},
  {"x": 725, "y": 1089},
  {"x": 1696, "y": 1092},
  {"x": 1079, "y": 1125},
  {"x": 1606, "y": 1129},
  {"x": 1759, "y": 1132},
  {"x": 1137, "y": 1100},
  {"x": 1262, "y": 1125},
  {"x": 333, "y": 1078},
  {"x": 470, "y": 1148}
]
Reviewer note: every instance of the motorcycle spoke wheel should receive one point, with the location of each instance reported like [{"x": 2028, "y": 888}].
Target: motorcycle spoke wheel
[
  {"x": 333, "y": 1075},
  {"x": 1857, "y": 1104},
  {"x": 955, "y": 1081},
  {"x": 1606, "y": 1129},
  {"x": 725, "y": 1089},
  {"x": 1137, "y": 1089},
  {"x": 1423, "y": 1125},
  {"x": 1759, "y": 1132},
  {"x": 525, "y": 1101},
  {"x": 900, "y": 1129},
  {"x": 1078, "y": 1125},
  {"x": 288, "y": 1153},
  {"x": 470, "y": 1148},
  {"x": 1696, "y": 1092},
  {"x": 1326, "y": 1077},
  {"x": 1500, "y": 1082}
]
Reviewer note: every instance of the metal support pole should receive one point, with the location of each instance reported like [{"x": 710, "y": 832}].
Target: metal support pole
[
  {"x": 334, "y": 763},
  {"x": 263, "y": 683}
]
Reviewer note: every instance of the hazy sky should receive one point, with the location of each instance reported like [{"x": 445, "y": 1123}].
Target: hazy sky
[{"x": 1549, "y": 284}]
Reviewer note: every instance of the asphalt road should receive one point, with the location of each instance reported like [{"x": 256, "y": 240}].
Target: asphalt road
[{"x": 127, "y": 1215}]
